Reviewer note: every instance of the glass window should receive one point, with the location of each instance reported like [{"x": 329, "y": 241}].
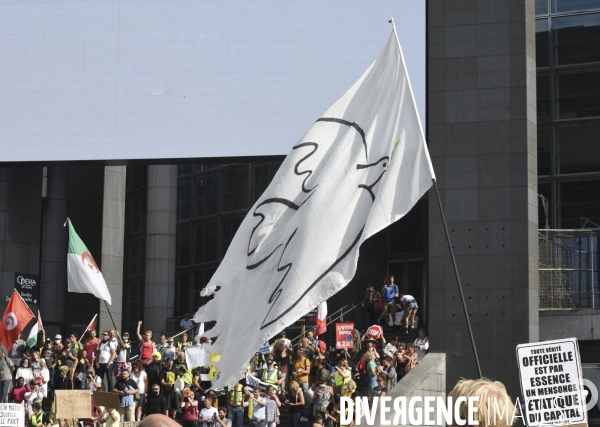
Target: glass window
[
  {"x": 185, "y": 169},
  {"x": 182, "y": 292},
  {"x": 576, "y": 39},
  {"x": 206, "y": 166},
  {"x": 591, "y": 372},
  {"x": 578, "y": 147},
  {"x": 541, "y": 7},
  {"x": 577, "y": 93},
  {"x": 545, "y": 212},
  {"x": 262, "y": 175},
  {"x": 579, "y": 199},
  {"x": 136, "y": 211},
  {"x": 184, "y": 199},
  {"x": 137, "y": 177},
  {"x": 229, "y": 227},
  {"x": 207, "y": 194},
  {"x": 543, "y": 98},
  {"x": 560, "y": 6},
  {"x": 205, "y": 241},
  {"x": 406, "y": 234},
  {"x": 201, "y": 279},
  {"x": 182, "y": 245},
  {"x": 234, "y": 189},
  {"x": 135, "y": 255},
  {"x": 134, "y": 309},
  {"x": 542, "y": 43},
  {"x": 544, "y": 154}
]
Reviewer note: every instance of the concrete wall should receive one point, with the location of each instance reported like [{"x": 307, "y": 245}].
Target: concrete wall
[
  {"x": 160, "y": 247},
  {"x": 581, "y": 324},
  {"x": 482, "y": 139},
  {"x": 113, "y": 237},
  {"x": 427, "y": 379}
]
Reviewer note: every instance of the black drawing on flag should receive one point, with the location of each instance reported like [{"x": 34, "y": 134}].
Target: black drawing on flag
[{"x": 264, "y": 211}]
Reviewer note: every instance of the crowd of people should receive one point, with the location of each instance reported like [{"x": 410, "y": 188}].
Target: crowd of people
[{"x": 305, "y": 378}]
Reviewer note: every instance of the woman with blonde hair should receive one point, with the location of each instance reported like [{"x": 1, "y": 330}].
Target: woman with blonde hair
[
  {"x": 341, "y": 377},
  {"x": 489, "y": 392},
  {"x": 296, "y": 403},
  {"x": 350, "y": 389},
  {"x": 371, "y": 372}
]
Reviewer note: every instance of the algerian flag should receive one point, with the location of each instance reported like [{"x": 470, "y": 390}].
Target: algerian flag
[
  {"x": 360, "y": 167},
  {"x": 35, "y": 330},
  {"x": 83, "y": 274}
]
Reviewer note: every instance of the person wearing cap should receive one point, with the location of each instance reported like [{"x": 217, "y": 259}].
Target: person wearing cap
[
  {"x": 271, "y": 374},
  {"x": 49, "y": 356},
  {"x": 105, "y": 355},
  {"x": 154, "y": 369}
]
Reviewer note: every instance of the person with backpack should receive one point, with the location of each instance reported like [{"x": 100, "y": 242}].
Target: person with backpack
[{"x": 322, "y": 395}]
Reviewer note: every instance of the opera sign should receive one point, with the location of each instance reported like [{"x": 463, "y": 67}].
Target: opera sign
[{"x": 27, "y": 285}]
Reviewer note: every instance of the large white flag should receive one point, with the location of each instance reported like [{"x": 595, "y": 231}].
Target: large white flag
[{"x": 359, "y": 168}]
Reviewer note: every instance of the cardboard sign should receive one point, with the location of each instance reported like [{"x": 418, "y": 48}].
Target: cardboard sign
[
  {"x": 73, "y": 403},
  {"x": 344, "y": 335},
  {"x": 108, "y": 400},
  {"x": 551, "y": 382},
  {"x": 12, "y": 414}
]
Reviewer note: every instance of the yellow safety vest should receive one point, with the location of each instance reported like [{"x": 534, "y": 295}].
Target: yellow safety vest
[
  {"x": 37, "y": 420},
  {"x": 236, "y": 396},
  {"x": 270, "y": 379},
  {"x": 188, "y": 377},
  {"x": 341, "y": 381}
]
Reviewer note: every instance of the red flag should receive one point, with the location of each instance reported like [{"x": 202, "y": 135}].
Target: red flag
[
  {"x": 16, "y": 317},
  {"x": 321, "y": 323}
]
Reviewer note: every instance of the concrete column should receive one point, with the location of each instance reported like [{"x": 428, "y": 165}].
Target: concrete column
[
  {"x": 113, "y": 234},
  {"x": 482, "y": 138},
  {"x": 160, "y": 246},
  {"x": 55, "y": 239}
]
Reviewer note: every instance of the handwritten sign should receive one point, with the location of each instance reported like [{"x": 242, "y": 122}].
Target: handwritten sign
[
  {"x": 108, "y": 400},
  {"x": 344, "y": 335},
  {"x": 12, "y": 414},
  {"x": 73, "y": 403},
  {"x": 551, "y": 382}
]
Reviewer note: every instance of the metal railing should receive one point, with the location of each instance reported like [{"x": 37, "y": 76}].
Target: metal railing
[{"x": 568, "y": 269}]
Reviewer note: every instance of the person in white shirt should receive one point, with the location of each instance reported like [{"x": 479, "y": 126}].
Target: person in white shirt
[
  {"x": 105, "y": 355},
  {"x": 139, "y": 376},
  {"x": 422, "y": 344},
  {"x": 207, "y": 413},
  {"x": 259, "y": 415}
]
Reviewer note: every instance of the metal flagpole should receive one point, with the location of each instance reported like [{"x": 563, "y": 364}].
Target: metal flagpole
[
  {"x": 111, "y": 318},
  {"x": 462, "y": 297}
]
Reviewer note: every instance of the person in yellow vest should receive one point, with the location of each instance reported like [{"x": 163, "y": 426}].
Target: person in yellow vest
[
  {"x": 341, "y": 377},
  {"x": 236, "y": 404},
  {"x": 271, "y": 374},
  {"x": 38, "y": 417},
  {"x": 192, "y": 379}
]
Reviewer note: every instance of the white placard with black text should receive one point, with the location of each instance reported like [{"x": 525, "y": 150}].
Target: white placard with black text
[{"x": 551, "y": 382}]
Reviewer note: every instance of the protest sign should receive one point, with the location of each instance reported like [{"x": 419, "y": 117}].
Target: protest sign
[
  {"x": 12, "y": 414},
  {"x": 551, "y": 382},
  {"x": 344, "y": 335},
  {"x": 73, "y": 403},
  {"x": 265, "y": 349},
  {"x": 108, "y": 400}
]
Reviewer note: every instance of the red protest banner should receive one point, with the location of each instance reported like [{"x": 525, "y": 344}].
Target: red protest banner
[{"x": 344, "y": 335}]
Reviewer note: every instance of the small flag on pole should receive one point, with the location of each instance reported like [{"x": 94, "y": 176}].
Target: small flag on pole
[
  {"x": 35, "y": 330},
  {"x": 321, "y": 324},
  {"x": 83, "y": 274},
  {"x": 91, "y": 326},
  {"x": 16, "y": 317}
]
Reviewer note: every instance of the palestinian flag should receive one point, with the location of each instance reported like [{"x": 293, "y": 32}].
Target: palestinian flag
[
  {"x": 35, "y": 330},
  {"x": 83, "y": 274},
  {"x": 91, "y": 326}
]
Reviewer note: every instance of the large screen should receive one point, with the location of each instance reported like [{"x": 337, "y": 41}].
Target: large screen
[{"x": 148, "y": 79}]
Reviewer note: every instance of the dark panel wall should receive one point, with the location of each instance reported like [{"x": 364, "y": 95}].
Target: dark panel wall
[{"x": 482, "y": 138}]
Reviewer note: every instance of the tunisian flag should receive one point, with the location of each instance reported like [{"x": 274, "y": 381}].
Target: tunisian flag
[{"x": 16, "y": 317}]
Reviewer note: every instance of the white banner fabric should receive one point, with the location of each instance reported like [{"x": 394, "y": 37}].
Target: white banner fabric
[{"x": 360, "y": 167}]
